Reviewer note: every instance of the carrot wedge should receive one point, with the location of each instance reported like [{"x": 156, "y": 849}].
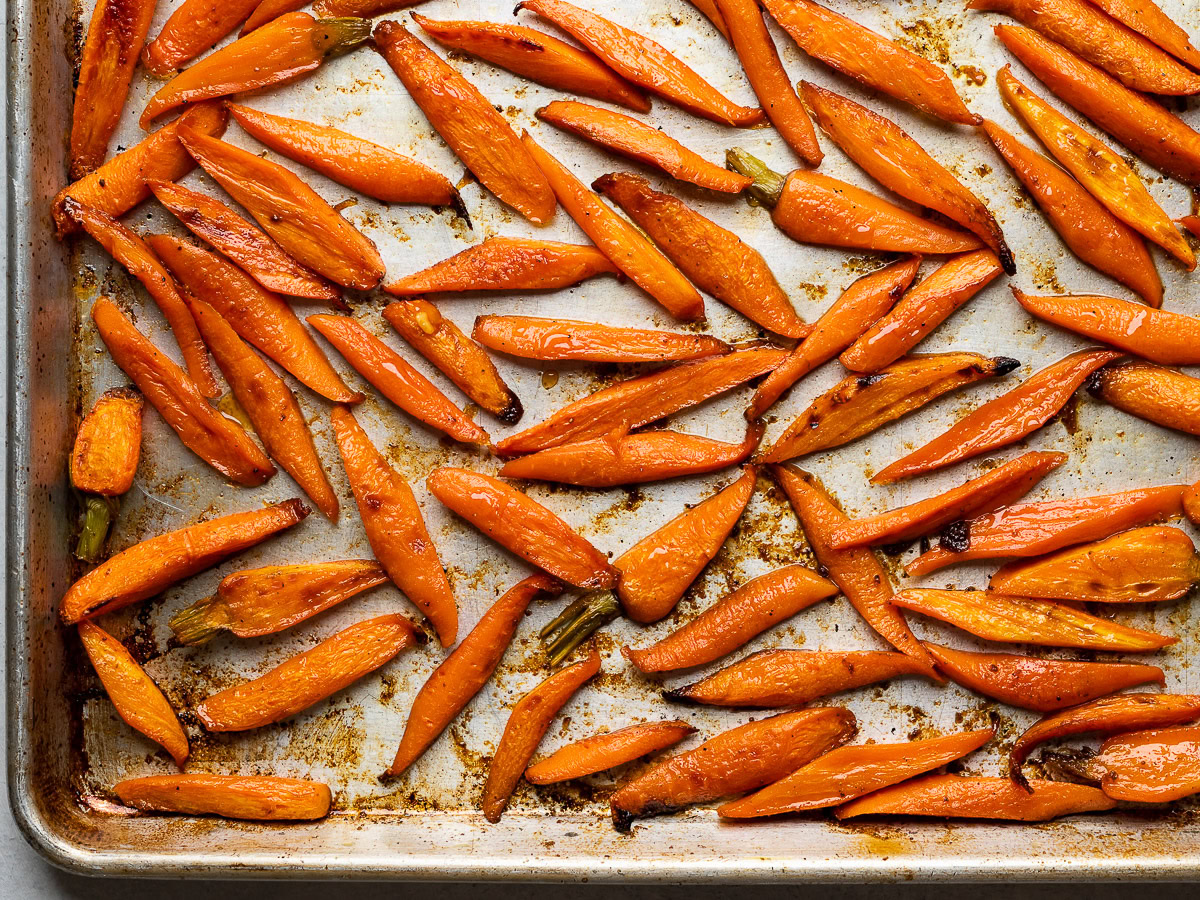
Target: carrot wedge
[
  {"x": 979, "y": 797},
  {"x": 1155, "y": 766},
  {"x": 260, "y": 797},
  {"x": 1005, "y": 420},
  {"x": 607, "y": 750},
  {"x": 368, "y": 9},
  {"x": 108, "y": 444},
  {"x": 735, "y": 619},
  {"x": 136, "y": 697},
  {"x": 527, "y": 725},
  {"x": 569, "y": 339},
  {"x": 1148, "y": 20},
  {"x": 268, "y": 11},
  {"x": 192, "y": 28},
  {"x": 1166, "y": 397},
  {"x": 151, "y": 566}
]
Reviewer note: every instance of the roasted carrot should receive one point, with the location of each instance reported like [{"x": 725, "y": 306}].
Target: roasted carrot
[
  {"x": 1005, "y": 420},
  {"x": 231, "y": 796},
  {"x": 1191, "y": 503},
  {"x": 659, "y": 568},
  {"x": 607, "y": 750},
  {"x": 1166, "y": 397},
  {"x": 569, "y": 339},
  {"x": 889, "y": 155},
  {"x": 735, "y": 619},
  {"x": 921, "y": 310},
  {"x": 395, "y": 527},
  {"x": 268, "y": 11},
  {"x": 151, "y": 566},
  {"x": 735, "y": 761},
  {"x": 716, "y": 260},
  {"x": 466, "y": 670},
  {"x": 1192, "y": 224},
  {"x": 1155, "y": 766},
  {"x": 527, "y": 725},
  {"x": 458, "y": 357},
  {"x": 365, "y": 8},
  {"x": 1148, "y": 20},
  {"x": 979, "y": 797},
  {"x": 396, "y": 379},
  {"x": 108, "y": 444},
  {"x": 192, "y": 28}
]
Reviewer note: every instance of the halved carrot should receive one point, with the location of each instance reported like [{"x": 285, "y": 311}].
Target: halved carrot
[
  {"x": 395, "y": 527},
  {"x": 718, "y": 261},
  {"x": 1005, "y": 420},
  {"x": 569, "y": 339},
  {"x": 154, "y": 564},
  {"x": 108, "y": 444},
  {"x": 309, "y": 677},
  {"x": 1155, "y": 766},
  {"x": 527, "y": 725},
  {"x": 366, "y": 8},
  {"x": 713, "y": 14},
  {"x": 1166, "y": 397},
  {"x": 466, "y": 670},
  {"x": 979, "y": 797},
  {"x": 734, "y": 620},
  {"x": 396, "y": 379},
  {"x": 1148, "y": 20},
  {"x": 261, "y": 797},
  {"x": 607, "y": 750},
  {"x": 644, "y": 62},
  {"x": 1093, "y": 233},
  {"x": 192, "y": 28},
  {"x": 889, "y": 155},
  {"x": 268, "y": 11},
  {"x": 136, "y": 697}
]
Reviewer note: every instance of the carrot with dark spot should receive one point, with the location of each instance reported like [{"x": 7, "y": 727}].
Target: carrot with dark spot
[
  {"x": 978, "y": 797},
  {"x": 607, "y": 751},
  {"x": 260, "y": 797},
  {"x": 569, "y": 339},
  {"x": 507, "y": 264},
  {"x": 1163, "y": 396},
  {"x": 1155, "y": 766}
]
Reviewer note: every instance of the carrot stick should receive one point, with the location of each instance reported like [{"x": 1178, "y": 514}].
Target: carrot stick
[
  {"x": 395, "y": 527},
  {"x": 1005, "y": 420},
  {"x": 192, "y": 28},
  {"x": 268, "y": 11},
  {"x": 366, "y": 8},
  {"x": 108, "y": 444},
  {"x": 734, "y": 620},
  {"x": 1166, "y": 397},
  {"x": 527, "y": 725},
  {"x": 1155, "y": 766},
  {"x": 713, "y": 14},
  {"x": 229, "y": 796},
  {"x": 466, "y": 670},
  {"x": 978, "y": 797},
  {"x": 569, "y": 339},
  {"x": 1144, "y": 17},
  {"x": 607, "y": 750}
]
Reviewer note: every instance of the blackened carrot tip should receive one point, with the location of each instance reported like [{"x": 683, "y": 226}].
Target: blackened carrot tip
[{"x": 680, "y": 696}]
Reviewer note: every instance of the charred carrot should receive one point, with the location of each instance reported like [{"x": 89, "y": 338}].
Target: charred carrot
[
  {"x": 192, "y": 28},
  {"x": 365, "y": 8},
  {"x": 1008, "y": 418},
  {"x": 108, "y": 444},
  {"x": 1155, "y": 766},
  {"x": 527, "y": 725},
  {"x": 268, "y": 11},
  {"x": 229, "y": 796},
  {"x": 1166, "y": 397},
  {"x": 979, "y": 797},
  {"x": 1148, "y": 20},
  {"x": 569, "y": 339},
  {"x": 607, "y": 750}
]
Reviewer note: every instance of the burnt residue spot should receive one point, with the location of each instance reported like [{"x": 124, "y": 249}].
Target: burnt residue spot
[
  {"x": 865, "y": 381},
  {"x": 1002, "y": 365},
  {"x": 955, "y": 537}
]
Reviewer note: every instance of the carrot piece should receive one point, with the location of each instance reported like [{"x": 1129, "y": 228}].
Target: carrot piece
[
  {"x": 255, "y": 602},
  {"x": 1086, "y": 226},
  {"x": 855, "y": 570},
  {"x": 1005, "y": 420},
  {"x": 871, "y": 59},
  {"x": 718, "y": 261},
  {"x": 921, "y": 310},
  {"x": 569, "y": 339},
  {"x": 734, "y": 620},
  {"x": 607, "y": 750},
  {"x": 1148, "y": 20},
  {"x": 776, "y": 678},
  {"x": 153, "y": 565},
  {"x": 137, "y": 698},
  {"x": 527, "y": 725},
  {"x": 192, "y": 28},
  {"x": 462, "y": 360},
  {"x": 466, "y": 670},
  {"x": 994, "y": 489},
  {"x": 108, "y": 444},
  {"x": 396, "y": 379},
  {"x": 309, "y": 677},
  {"x": 538, "y": 57},
  {"x": 644, "y": 62},
  {"x": 861, "y": 404},
  {"x": 1155, "y": 766},
  {"x": 268, "y": 11},
  {"x": 1166, "y": 397},
  {"x": 366, "y": 8},
  {"x": 395, "y": 527},
  {"x": 659, "y": 568},
  {"x": 889, "y": 155},
  {"x": 230, "y": 796},
  {"x": 735, "y": 761}
]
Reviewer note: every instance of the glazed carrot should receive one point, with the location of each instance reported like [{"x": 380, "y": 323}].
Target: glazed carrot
[
  {"x": 218, "y": 440},
  {"x": 153, "y": 565},
  {"x": 359, "y": 164},
  {"x": 458, "y": 357},
  {"x": 716, "y": 260},
  {"x": 870, "y": 59},
  {"x": 268, "y": 11},
  {"x": 855, "y": 570},
  {"x": 1155, "y": 766},
  {"x": 136, "y": 697},
  {"x": 396, "y": 379},
  {"x": 1148, "y": 20},
  {"x": 526, "y": 727},
  {"x": 607, "y": 750},
  {"x": 659, "y": 568},
  {"x": 1005, "y": 420},
  {"x": 230, "y": 796},
  {"x": 1166, "y": 397},
  {"x": 260, "y": 317},
  {"x": 863, "y": 302},
  {"x": 290, "y": 211},
  {"x": 1022, "y": 620},
  {"x": 255, "y": 602},
  {"x": 569, "y": 339},
  {"x": 860, "y": 404},
  {"x": 1191, "y": 503},
  {"x": 777, "y": 678},
  {"x": 192, "y": 28},
  {"x": 395, "y": 527},
  {"x": 108, "y": 444},
  {"x": 734, "y": 620},
  {"x": 1086, "y": 226},
  {"x": 365, "y": 8},
  {"x": 979, "y": 797},
  {"x": 538, "y": 57},
  {"x": 466, "y": 670},
  {"x": 735, "y": 761},
  {"x": 522, "y": 525},
  {"x": 288, "y": 48},
  {"x": 644, "y": 62},
  {"x": 309, "y": 677},
  {"x": 921, "y": 310},
  {"x": 994, "y": 489},
  {"x": 889, "y": 155}
]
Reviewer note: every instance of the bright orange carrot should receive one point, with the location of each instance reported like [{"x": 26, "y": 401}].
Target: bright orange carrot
[
  {"x": 1144, "y": 17},
  {"x": 1166, "y": 397},
  {"x": 507, "y": 264},
  {"x": 607, "y": 750},
  {"x": 569, "y": 339},
  {"x": 192, "y": 28},
  {"x": 978, "y": 797},
  {"x": 231, "y": 796},
  {"x": 366, "y": 8},
  {"x": 108, "y": 444},
  {"x": 1155, "y": 766},
  {"x": 1191, "y": 503},
  {"x": 526, "y": 727},
  {"x": 1008, "y": 418},
  {"x": 268, "y": 11}
]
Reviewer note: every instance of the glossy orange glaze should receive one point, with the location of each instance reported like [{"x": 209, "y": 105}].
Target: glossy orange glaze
[
  {"x": 1154, "y": 766},
  {"x": 607, "y": 750},
  {"x": 366, "y": 8},
  {"x": 192, "y": 28},
  {"x": 569, "y": 339},
  {"x": 108, "y": 444},
  {"x": 1148, "y": 20},
  {"x": 269, "y": 11},
  {"x": 979, "y": 797},
  {"x": 230, "y": 796},
  {"x": 713, "y": 14},
  {"x": 1166, "y": 397}
]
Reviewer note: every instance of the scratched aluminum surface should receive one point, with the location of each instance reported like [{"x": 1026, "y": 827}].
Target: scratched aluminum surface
[{"x": 426, "y": 824}]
